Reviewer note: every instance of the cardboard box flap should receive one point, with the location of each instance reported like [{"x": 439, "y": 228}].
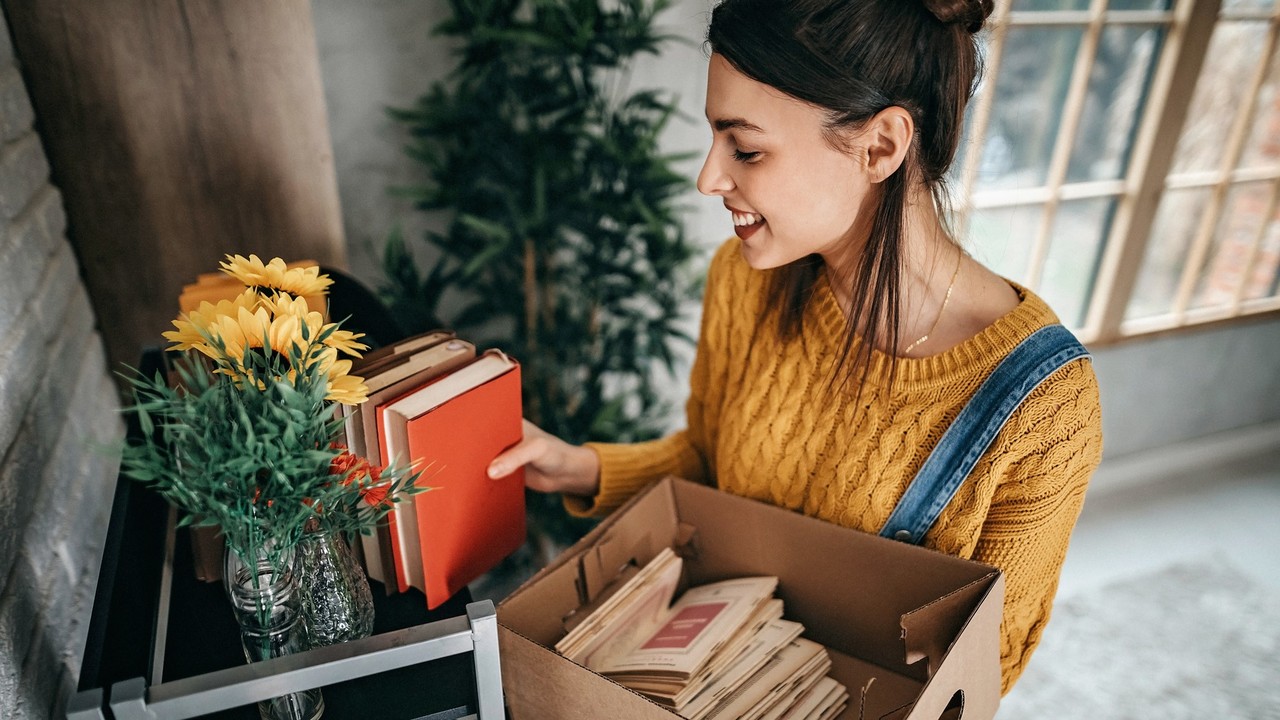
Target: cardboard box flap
[
  {"x": 604, "y": 562},
  {"x": 593, "y": 696},
  {"x": 975, "y": 678},
  {"x": 873, "y": 692},
  {"x": 929, "y": 631},
  {"x": 544, "y": 605}
]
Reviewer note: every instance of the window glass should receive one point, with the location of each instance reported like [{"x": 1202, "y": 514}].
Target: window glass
[
  {"x": 1075, "y": 248},
  {"x": 1224, "y": 79},
  {"x": 1140, "y": 5},
  {"x": 1036, "y": 5},
  {"x": 1035, "y": 71},
  {"x": 1117, "y": 93},
  {"x": 1266, "y": 266},
  {"x": 1175, "y": 224},
  {"x": 1242, "y": 216},
  {"x": 1263, "y": 147},
  {"x": 1002, "y": 238},
  {"x": 1248, "y": 4}
]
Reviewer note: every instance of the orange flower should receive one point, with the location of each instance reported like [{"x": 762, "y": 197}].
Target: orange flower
[{"x": 367, "y": 477}]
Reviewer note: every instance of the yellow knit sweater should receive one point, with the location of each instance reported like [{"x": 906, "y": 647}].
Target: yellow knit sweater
[{"x": 763, "y": 423}]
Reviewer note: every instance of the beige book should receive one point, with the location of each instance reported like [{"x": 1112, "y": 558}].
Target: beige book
[
  {"x": 833, "y": 712},
  {"x": 785, "y": 695},
  {"x": 775, "y": 636},
  {"x": 701, "y": 622},
  {"x": 635, "y": 609},
  {"x": 804, "y": 679},
  {"x": 763, "y": 689},
  {"x": 675, "y": 693},
  {"x": 824, "y": 696}
]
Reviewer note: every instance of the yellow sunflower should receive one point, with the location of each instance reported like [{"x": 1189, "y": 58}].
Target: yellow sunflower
[
  {"x": 275, "y": 275},
  {"x": 192, "y": 329},
  {"x": 255, "y": 322},
  {"x": 342, "y": 340},
  {"x": 343, "y": 387}
]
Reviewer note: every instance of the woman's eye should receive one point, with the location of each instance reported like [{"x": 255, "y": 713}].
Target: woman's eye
[{"x": 744, "y": 157}]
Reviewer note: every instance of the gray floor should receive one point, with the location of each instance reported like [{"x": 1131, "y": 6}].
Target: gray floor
[
  {"x": 1218, "y": 498},
  {"x": 1215, "y": 500}
]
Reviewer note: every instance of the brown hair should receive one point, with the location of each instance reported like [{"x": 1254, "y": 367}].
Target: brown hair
[{"x": 854, "y": 58}]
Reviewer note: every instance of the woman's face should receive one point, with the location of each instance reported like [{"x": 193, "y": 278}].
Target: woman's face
[{"x": 788, "y": 191}]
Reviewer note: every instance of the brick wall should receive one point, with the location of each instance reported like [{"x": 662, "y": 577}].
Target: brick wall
[{"x": 58, "y": 420}]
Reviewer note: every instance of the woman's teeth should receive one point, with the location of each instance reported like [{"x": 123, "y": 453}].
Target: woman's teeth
[{"x": 741, "y": 219}]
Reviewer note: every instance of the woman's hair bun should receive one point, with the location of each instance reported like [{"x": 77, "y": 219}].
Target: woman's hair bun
[{"x": 972, "y": 14}]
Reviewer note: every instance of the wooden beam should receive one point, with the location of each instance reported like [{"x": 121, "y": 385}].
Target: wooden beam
[
  {"x": 178, "y": 131},
  {"x": 1154, "y": 146}
]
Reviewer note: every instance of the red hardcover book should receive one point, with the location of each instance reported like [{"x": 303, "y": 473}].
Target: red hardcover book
[
  {"x": 392, "y": 380},
  {"x": 452, "y": 429}
]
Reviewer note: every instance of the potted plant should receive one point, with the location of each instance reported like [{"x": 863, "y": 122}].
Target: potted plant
[
  {"x": 562, "y": 240},
  {"x": 247, "y": 439}
]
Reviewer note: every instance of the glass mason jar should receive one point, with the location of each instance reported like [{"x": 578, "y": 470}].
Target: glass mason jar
[
  {"x": 336, "y": 600},
  {"x": 264, "y": 596}
]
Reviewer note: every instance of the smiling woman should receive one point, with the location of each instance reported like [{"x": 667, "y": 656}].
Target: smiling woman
[{"x": 850, "y": 352}]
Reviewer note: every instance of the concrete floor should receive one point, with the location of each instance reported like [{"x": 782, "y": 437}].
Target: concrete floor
[{"x": 1218, "y": 498}]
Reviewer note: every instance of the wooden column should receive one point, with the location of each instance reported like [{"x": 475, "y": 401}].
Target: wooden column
[{"x": 178, "y": 131}]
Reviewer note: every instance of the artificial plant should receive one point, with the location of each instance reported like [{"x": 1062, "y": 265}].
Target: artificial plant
[{"x": 562, "y": 242}]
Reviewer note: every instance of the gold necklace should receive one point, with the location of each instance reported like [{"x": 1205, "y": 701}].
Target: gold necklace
[{"x": 945, "y": 299}]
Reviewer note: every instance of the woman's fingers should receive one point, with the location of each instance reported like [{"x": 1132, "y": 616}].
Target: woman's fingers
[
  {"x": 529, "y": 450},
  {"x": 551, "y": 464}
]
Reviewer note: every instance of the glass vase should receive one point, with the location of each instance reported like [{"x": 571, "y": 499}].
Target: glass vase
[
  {"x": 336, "y": 600},
  {"x": 264, "y": 596}
]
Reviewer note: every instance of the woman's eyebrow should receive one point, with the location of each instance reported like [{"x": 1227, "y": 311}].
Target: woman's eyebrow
[{"x": 721, "y": 125}]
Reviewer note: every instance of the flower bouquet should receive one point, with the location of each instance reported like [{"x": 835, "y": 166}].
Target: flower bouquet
[{"x": 247, "y": 439}]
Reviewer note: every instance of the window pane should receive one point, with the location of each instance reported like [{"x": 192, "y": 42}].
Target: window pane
[
  {"x": 1248, "y": 4},
  {"x": 1140, "y": 5},
  {"x": 1175, "y": 224},
  {"x": 1001, "y": 238},
  {"x": 1074, "y": 252},
  {"x": 1033, "y": 5},
  {"x": 1117, "y": 92},
  {"x": 1242, "y": 217},
  {"x": 1263, "y": 147},
  {"x": 1035, "y": 71},
  {"x": 1232, "y": 57},
  {"x": 1266, "y": 267}
]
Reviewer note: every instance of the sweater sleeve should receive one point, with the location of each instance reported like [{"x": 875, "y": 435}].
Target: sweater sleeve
[
  {"x": 1052, "y": 446},
  {"x": 625, "y": 469}
]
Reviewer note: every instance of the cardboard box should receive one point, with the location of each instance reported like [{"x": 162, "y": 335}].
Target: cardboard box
[{"x": 908, "y": 628}]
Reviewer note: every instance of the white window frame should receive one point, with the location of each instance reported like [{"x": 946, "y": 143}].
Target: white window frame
[{"x": 1189, "y": 26}]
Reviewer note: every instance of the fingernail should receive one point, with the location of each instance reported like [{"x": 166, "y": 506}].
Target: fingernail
[{"x": 496, "y": 471}]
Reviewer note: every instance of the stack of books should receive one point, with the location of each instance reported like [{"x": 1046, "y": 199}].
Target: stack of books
[
  {"x": 437, "y": 406},
  {"x": 720, "y": 651}
]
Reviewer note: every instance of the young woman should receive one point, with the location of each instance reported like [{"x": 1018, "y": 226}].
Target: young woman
[{"x": 843, "y": 329}]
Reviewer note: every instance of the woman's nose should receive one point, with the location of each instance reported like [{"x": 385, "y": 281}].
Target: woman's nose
[{"x": 713, "y": 180}]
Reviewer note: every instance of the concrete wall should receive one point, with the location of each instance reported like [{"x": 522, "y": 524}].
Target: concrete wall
[
  {"x": 1169, "y": 389},
  {"x": 58, "y": 419},
  {"x": 1155, "y": 392}
]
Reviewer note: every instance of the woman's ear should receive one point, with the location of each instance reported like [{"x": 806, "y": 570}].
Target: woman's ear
[{"x": 887, "y": 138}]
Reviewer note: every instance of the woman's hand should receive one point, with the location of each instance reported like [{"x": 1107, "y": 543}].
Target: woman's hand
[{"x": 550, "y": 464}]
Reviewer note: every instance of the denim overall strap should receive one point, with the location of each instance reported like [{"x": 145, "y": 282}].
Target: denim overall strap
[{"x": 977, "y": 425}]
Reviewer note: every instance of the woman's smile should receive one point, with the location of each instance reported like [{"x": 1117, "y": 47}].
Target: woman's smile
[{"x": 745, "y": 224}]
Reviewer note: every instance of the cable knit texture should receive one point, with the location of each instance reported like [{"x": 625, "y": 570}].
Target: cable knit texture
[{"x": 764, "y": 423}]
